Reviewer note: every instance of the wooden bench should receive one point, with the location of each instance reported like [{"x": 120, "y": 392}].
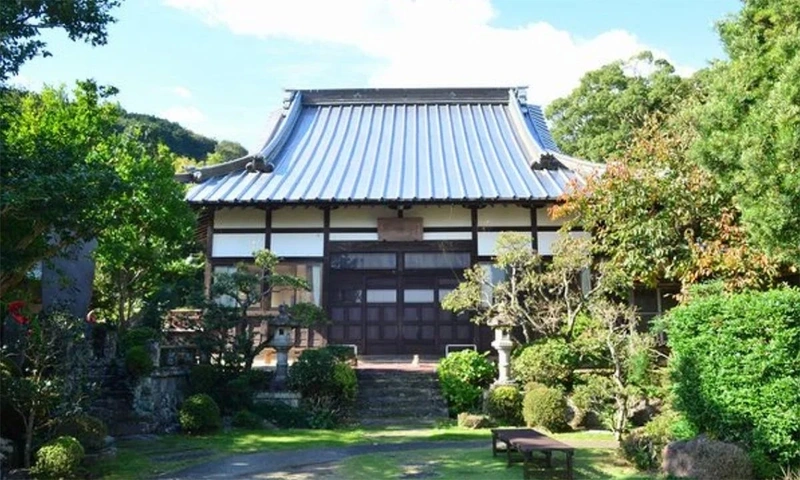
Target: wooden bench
[{"x": 526, "y": 441}]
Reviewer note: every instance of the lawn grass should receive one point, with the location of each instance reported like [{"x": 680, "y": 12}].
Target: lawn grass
[
  {"x": 473, "y": 463},
  {"x": 167, "y": 453}
]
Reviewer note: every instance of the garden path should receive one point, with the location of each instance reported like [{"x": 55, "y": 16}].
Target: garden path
[{"x": 319, "y": 463}]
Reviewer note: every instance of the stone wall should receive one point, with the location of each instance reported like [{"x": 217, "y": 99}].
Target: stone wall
[{"x": 157, "y": 398}]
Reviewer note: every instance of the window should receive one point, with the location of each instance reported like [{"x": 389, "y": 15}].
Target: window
[
  {"x": 223, "y": 273},
  {"x": 495, "y": 276},
  {"x": 437, "y": 260},
  {"x": 364, "y": 261},
  {"x": 310, "y": 272},
  {"x": 654, "y": 302}
]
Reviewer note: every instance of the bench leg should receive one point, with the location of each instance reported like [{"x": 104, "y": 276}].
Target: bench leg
[
  {"x": 527, "y": 463},
  {"x": 494, "y": 445},
  {"x": 548, "y": 458},
  {"x": 508, "y": 455},
  {"x": 569, "y": 466}
]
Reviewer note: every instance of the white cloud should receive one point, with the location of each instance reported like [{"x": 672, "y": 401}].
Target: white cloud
[
  {"x": 430, "y": 43},
  {"x": 182, "y": 92},
  {"x": 26, "y": 83},
  {"x": 185, "y": 115}
]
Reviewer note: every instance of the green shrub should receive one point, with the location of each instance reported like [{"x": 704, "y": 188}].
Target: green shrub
[
  {"x": 90, "y": 431},
  {"x": 595, "y": 395},
  {"x": 545, "y": 407},
  {"x": 205, "y": 379},
  {"x": 59, "y": 458},
  {"x": 328, "y": 386},
  {"x": 237, "y": 395},
  {"x": 550, "y": 361},
  {"x": 137, "y": 337},
  {"x": 247, "y": 419},
  {"x": 199, "y": 414},
  {"x": 282, "y": 415},
  {"x": 504, "y": 404},
  {"x": 736, "y": 374},
  {"x": 343, "y": 353},
  {"x": 462, "y": 377},
  {"x": 138, "y": 361}
]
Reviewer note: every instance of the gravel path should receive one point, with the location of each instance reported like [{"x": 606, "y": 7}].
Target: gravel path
[{"x": 261, "y": 465}]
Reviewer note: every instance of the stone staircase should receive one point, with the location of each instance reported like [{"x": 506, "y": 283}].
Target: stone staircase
[{"x": 398, "y": 395}]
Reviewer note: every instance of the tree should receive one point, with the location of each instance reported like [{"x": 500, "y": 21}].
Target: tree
[
  {"x": 22, "y": 21},
  {"x": 178, "y": 139},
  {"x": 749, "y": 127},
  {"x": 228, "y": 334},
  {"x": 146, "y": 229},
  {"x": 539, "y": 298},
  {"x": 224, "y": 151},
  {"x": 548, "y": 299},
  {"x": 656, "y": 216},
  {"x": 42, "y": 375},
  {"x": 599, "y": 118},
  {"x": 56, "y": 175}
]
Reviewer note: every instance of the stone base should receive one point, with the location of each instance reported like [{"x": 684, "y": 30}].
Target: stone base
[{"x": 289, "y": 398}]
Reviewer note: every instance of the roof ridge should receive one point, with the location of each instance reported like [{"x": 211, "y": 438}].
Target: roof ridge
[{"x": 388, "y": 96}]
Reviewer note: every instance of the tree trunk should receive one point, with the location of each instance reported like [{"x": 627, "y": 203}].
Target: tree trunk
[{"x": 29, "y": 438}]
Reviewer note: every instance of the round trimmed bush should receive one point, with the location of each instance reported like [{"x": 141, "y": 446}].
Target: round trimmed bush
[
  {"x": 545, "y": 407},
  {"x": 550, "y": 362},
  {"x": 463, "y": 376},
  {"x": 504, "y": 404},
  {"x": 328, "y": 386},
  {"x": 138, "y": 361},
  {"x": 59, "y": 458},
  {"x": 199, "y": 414},
  {"x": 247, "y": 419},
  {"x": 90, "y": 431}
]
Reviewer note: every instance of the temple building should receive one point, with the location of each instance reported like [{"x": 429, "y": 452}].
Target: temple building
[{"x": 381, "y": 198}]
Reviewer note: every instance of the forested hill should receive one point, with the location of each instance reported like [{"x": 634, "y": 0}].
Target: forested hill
[{"x": 181, "y": 140}]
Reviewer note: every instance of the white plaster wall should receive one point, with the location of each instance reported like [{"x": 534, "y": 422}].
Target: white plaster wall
[
  {"x": 543, "y": 218},
  {"x": 354, "y": 237},
  {"x": 359, "y": 217},
  {"x": 441, "y": 216},
  {"x": 487, "y": 242},
  {"x": 239, "y": 217},
  {"x": 289, "y": 217},
  {"x": 504, "y": 216},
  {"x": 447, "y": 235},
  {"x": 297, "y": 244},
  {"x": 236, "y": 244},
  {"x": 546, "y": 240}
]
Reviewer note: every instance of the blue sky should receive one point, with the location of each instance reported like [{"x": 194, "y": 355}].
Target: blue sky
[{"x": 219, "y": 66}]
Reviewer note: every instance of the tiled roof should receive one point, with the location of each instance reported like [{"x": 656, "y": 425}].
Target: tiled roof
[{"x": 366, "y": 146}]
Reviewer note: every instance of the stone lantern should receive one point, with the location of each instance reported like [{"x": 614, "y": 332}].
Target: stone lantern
[
  {"x": 501, "y": 324},
  {"x": 282, "y": 327}
]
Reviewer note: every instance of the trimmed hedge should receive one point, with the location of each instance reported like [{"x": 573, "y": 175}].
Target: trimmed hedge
[
  {"x": 545, "y": 407},
  {"x": 550, "y": 361},
  {"x": 59, "y": 458},
  {"x": 735, "y": 368},
  {"x": 504, "y": 404},
  {"x": 462, "y": 377},
  {"x": 199, "y": 414}
]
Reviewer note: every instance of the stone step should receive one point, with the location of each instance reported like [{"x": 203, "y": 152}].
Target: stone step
[{"x": 399, "y": 396}]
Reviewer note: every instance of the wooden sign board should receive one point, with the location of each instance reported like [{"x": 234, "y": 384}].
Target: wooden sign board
[{"x": 400, "y": 229}]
